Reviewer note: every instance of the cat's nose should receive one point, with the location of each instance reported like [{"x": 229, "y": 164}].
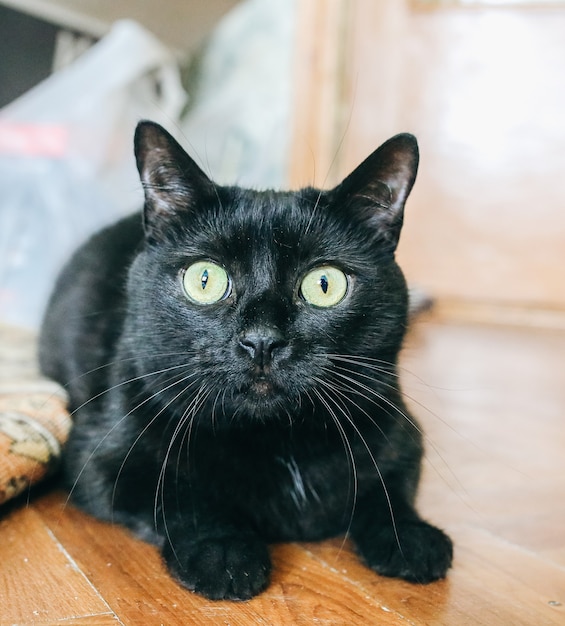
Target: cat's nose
[{"x": 261, "y": 343}]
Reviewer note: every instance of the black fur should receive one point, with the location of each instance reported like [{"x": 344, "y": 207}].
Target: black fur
[{"x": 216, "y": 429}]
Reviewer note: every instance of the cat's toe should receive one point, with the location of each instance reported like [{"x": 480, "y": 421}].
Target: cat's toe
[
  {"x": 226, "y": 568},
  {"x": 415, "y": 551}
]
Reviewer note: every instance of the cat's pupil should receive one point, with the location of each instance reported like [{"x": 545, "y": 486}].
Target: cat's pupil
[
  {"x": 204, "y": 279},
  {"x": 323, "y": 282}
]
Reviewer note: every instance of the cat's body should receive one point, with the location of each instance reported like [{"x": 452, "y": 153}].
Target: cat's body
[{"x": 232, "y": 365}]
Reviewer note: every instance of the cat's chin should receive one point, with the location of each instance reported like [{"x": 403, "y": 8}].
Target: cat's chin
[
  {"x": 261, "y": 399},
  {"x": 262, "y": 389}
]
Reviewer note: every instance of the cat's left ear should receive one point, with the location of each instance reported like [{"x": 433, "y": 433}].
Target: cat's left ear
[
  {"x": 172, "y": 181},
  {"x": 376, "y": 190}
]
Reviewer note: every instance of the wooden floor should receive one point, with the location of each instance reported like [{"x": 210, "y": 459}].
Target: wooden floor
[{"x": 492, "y": 400}]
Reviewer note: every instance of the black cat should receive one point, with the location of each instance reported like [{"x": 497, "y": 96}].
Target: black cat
[{"x": 231, "y": 361}]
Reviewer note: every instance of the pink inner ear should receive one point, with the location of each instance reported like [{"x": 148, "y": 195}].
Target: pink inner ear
[
  {"x": 392, "y": 166},
  {"x": 377, "y": 189}
]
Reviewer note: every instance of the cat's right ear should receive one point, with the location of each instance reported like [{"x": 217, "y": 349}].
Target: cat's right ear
[{"x": 172, "y": 182}]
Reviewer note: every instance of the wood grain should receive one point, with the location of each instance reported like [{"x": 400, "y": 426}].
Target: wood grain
[
  {"x": 39, "y": 581},
  {"x": 132, "y": 579},
  {"x": 483, "y": 92},
  {"x": 317, "y": 125},
  {"x": 490, "y": 400}
]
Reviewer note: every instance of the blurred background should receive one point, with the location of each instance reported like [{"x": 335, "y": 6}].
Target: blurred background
[
  {"x": 278, "y": 93},
  {"x": 275, "y": 93}
]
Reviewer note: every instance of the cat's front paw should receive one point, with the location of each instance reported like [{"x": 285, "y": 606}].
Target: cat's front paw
[
  {"x": 224, "y": 568},
  {"x": 415, "y": 551}
]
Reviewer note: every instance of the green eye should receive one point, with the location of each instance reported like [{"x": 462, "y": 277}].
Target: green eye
[
  {"x": 324, "y": 286},
  {"x": 205, "y": 282}
]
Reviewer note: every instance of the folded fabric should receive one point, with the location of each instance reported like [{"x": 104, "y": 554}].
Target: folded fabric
[{"x": 34, "y": 422}]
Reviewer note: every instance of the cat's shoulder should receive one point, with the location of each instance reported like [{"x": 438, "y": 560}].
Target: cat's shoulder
[{"x": 123, "y": 236}]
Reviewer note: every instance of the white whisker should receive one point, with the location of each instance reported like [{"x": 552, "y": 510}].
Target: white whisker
[
  {"x": 187, "y": 417},
  {"x": 349, "y": 419},
  {"x": 377, "y": 399},
  {"x": 151, "y": 422},
  {"x": 347, "y": 447}
]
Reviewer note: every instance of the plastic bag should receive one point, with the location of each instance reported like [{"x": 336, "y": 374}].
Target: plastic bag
[
  {"x": 239, "y": 118},
  {"x": 66, "y": 159}
]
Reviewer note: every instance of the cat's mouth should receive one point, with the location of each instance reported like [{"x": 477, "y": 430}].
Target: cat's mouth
[
  {"x": 261, "y": 382},
  {"x": 262, "y": 387},
  {"x": 260, "y": 394}
]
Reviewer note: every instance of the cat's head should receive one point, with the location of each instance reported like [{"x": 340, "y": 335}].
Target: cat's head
[{"x": 249, "y": 301}]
